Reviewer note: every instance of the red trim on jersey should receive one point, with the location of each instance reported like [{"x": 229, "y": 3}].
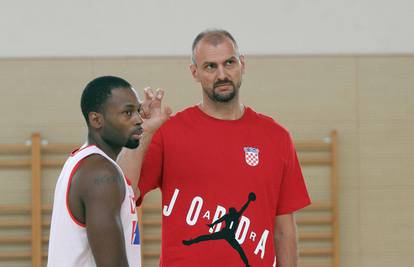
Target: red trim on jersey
[
  {"x": 127, "y": 180},
  {"x": 67, "y": 194},
  {"x": 73, "y": 153},
  {"x": 130, "y": 184}
]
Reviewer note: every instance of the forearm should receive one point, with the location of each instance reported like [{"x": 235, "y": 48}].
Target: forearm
[
  {"x": 108, "y": 249},
  {"x": 286, "y": 251},
  {"x": 130, "y": 160},
  {"x": 286, "y": 243}
]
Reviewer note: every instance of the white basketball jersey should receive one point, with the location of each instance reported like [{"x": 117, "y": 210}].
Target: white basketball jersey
[{"x": 68, "y": 243}]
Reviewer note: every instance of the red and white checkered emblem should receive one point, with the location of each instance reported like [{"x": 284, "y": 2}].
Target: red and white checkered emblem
[{"x": 251, "y": 155}]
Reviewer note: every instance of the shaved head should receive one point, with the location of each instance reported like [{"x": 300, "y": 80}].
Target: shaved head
[{"x": 213, "y": 37}]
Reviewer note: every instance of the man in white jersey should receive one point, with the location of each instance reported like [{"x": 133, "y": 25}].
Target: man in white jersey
[{"x": 94, "y": 220}]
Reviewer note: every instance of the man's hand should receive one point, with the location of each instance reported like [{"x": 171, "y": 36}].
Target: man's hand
[
  {"x": 151, "y": 111},
  {"x": 154, "y": 116}
]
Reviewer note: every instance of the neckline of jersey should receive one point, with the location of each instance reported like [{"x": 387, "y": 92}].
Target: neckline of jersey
[{"x": 246, "y": 114}]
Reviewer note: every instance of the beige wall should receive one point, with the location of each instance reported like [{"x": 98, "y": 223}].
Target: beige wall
[
  {"x": 369, "y": 100},
  {"x": 56, "y": 28}
]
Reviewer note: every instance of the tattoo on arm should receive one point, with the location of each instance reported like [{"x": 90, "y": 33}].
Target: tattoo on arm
[{"x": 106, "y": 180}]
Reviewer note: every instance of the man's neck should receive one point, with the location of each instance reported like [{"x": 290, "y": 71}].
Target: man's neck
[
  {"x": 223, "y": 111},
  {"x": 96, "y": 140}
]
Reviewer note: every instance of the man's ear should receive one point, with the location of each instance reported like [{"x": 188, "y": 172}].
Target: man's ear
[
  {"x": 193, "y": 69},
  {"x": 95, "y": 120},
  {"x": 243, "y": 63}
]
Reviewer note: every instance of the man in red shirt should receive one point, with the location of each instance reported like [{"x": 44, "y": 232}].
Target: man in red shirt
[{"x": 207, "y": 158}]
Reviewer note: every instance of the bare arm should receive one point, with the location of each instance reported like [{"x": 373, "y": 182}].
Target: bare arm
[
  {"x": 286, "y": 240},
  {"x": 131, "y": 160},
  {"x": 102, "y": 192}
]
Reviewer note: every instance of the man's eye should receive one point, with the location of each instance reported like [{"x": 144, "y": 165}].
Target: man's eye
[
  {"x": 128, "y": 113},
  {"x": 229, "y": 62},
  {"x": 210, "y": 66}
]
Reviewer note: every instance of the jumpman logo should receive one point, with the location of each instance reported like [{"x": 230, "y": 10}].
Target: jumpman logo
[{"x": 232, "y": 220}]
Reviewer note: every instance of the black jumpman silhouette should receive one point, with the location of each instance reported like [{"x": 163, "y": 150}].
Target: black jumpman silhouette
[{"x": 232, "y": 220}]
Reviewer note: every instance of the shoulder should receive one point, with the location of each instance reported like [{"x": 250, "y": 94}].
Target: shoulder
[
  {"x": 96, "y": 164},
  {"x": 182, "y": 115},
  {"x": 268, "y": 123},
  {"x": 182, "y": 119},
  {"x": 97, "y": 172}
]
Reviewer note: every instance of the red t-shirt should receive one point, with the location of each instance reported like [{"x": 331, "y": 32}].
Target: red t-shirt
[{"x": 237, "y": 174}]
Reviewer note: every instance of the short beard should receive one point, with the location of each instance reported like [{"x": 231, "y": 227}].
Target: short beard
[
  {"x": 132, "y": 144},
  {"x": 222, "y": 98},
  {"x": 217, "y": 97}
]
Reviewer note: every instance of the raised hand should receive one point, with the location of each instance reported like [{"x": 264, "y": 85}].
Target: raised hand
[{"x": 153, "y": 114}]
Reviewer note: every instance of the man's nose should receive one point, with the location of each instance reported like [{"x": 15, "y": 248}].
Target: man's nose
[
  {"x": 221, "y": 73},
  {"x": 138, "y": 118}
]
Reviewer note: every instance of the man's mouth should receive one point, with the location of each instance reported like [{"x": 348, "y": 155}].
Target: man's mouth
[
  {"x": 137, "y": 134},
  {"x": 223, "y": 85}
]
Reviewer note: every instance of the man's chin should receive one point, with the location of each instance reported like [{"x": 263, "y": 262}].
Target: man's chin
[
  {"x": 132, "y": 144},
  {"x": 224, "y": 97}
]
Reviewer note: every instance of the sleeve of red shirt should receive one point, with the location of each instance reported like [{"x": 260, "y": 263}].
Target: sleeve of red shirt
[
  {"x": 293, "y": 194},
  {"x": 151, "y": 171}
]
